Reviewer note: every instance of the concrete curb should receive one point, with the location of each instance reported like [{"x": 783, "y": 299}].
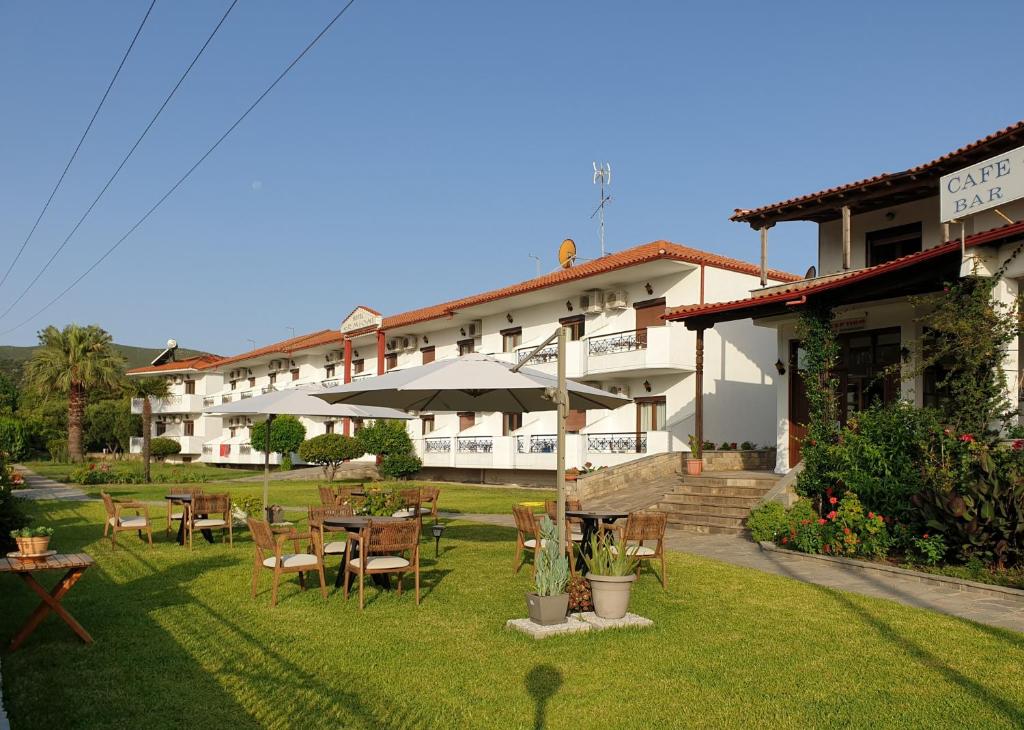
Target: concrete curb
[{"x": 967, "y": 586}]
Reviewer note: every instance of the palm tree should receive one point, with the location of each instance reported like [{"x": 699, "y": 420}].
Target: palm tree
[
  {"x": 72, "y": 362},
  {"x": 148, "y": 389}
]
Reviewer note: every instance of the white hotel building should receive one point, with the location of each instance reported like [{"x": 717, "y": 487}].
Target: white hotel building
[{"x": 613, "y": 307}]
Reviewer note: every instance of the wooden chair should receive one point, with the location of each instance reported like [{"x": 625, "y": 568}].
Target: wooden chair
[
  {"x": 172, "y": 505},
  {"x": 428, "y": 496},
  {"x": 644, "y": 527},
  {"x": 328, "y": 496},
  {"x": 382, "y": 549},
  {"x": 346, "y": 496},
  {"x": 411, "y": 499},
  {"x": 528, "y": 538},
  {"x": 116, "y": 523},
  {"x": 270, "y": 555},
  {"x": 575, "y": 523},
  {"x": 199, "y": 515},
  {"x": 315, "y": 518}
]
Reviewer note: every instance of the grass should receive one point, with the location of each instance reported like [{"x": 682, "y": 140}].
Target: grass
[
  {"x": 61, "y": 472},
  {"x": 179, "y": 641}
]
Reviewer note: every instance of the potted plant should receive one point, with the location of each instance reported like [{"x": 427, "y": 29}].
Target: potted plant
[
  {"x": 572, "y": 474},
  {"x": 32, "y": 540},
  {"x": 694, "y": 466},
  {"x": 550, "y": 603},
  {"x": 611, "y": 574}
]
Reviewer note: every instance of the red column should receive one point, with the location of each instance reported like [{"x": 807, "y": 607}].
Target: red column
[
  {"x": 380, "y": 352},
  {"x": 346, "y": 424}
]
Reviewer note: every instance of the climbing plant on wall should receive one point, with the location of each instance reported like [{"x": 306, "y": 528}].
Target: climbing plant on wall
[{"x": 821, "y": 353}]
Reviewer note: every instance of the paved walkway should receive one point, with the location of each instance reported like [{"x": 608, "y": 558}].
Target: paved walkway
[{"x": 40, "y": 487}]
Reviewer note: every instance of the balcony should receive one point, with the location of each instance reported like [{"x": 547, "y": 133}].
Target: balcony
[
  {"x": 616, "y": 443},
  {"x": 649, "y": 351},
  {"x": 546, "y": 360},
  {"x": 537, "y": 444},
  {"x": 245, "y": 394},
  {"x": 189, "y": 403},
  {"x": 330, "y": 383}
]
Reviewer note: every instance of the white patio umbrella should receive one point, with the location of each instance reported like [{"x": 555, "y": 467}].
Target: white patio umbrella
[
  {"x": 477, "y": 382},
  {"x": 294, "y": 402}
]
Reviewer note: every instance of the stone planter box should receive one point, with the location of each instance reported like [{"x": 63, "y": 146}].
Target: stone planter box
[{"x": 739, "y": 460}]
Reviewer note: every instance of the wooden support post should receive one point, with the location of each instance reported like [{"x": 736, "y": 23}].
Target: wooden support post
[
  {"x": 764, "y": 255},
  {"x": 846, "y": 237},
  {"x": 380, "y": 352},
  {"x": 346, "y": 423},
  {"x": 698, "y": 427}
]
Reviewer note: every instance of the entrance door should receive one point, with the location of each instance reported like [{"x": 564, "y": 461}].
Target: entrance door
[
  {"x": 799, "y": 413},
  {"x": 650, "y": 416}
]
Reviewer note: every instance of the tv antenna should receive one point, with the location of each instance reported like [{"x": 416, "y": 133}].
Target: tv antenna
[
  {"x": 537, "y": 259},
  {"x": 602, "y": 177}
]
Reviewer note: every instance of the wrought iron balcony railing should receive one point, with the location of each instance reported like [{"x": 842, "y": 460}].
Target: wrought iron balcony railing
[
  {"x": 245, "y": 394},
  {"x": 225, "y": 399},
  {"x": 627, "y": 341},
  {"x": 437, "y": 445},
  {"x": 616, "y": 443},
  {"x": 547, "y": 354},
  {"x": 209, "y": 400},
  {"x": 330, "y": 382},
  {"x": 474, "y": 444},
  {"x": 536, "y": 444},
  {"x": 245, "y": 449}
]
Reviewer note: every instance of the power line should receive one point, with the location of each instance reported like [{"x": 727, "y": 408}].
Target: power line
[
  {"x": 79, "y": 145},
  {"x": 192, "y": 169},
  {"x": 124, "y": 161}
]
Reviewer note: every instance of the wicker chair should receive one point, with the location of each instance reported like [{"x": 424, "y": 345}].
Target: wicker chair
[
  {"x": 199, "y": 515},
  {"x": 328, "y": 496},
  {"x": 269, "y": 555},
  {"x": 173, "y": 505},
  {"x": 346, "y": 495},
  {"x": 316, "y": 524},
  {"x": 411, "y": 500},
  {"x": 116, "y": 523},
  {"x": 644, "y": 527},
  {"x": 429, "y": 495},
  {"x": 528, "y": 538},
  {"x": 382, "y": 549},
  {"x": 575, "y": 523}
]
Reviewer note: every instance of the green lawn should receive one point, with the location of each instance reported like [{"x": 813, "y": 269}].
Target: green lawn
[
  {"x": 60, "y": 472},
  {"x": 180, "y": 643}
]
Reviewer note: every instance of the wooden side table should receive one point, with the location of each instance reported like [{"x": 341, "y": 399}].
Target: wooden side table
[{"x": 75, "y": 564}]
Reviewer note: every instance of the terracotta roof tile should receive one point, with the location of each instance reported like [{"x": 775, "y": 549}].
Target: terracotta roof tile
[
  {"x": 657, "y": 250},
  {"x": 294, "y": 344},
  {"x": 742, "y": 214},
  {"x": 200, "y": 362}
]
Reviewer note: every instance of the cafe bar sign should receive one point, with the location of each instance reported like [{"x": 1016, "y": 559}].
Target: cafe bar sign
[{"x": 982, "y": 186}]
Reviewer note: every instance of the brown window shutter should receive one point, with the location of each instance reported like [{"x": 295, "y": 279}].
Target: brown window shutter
[
  {"x": 575, "y": 421},
  {"x": 649, "y": 313},
  {"x": 428, "y": 355}
]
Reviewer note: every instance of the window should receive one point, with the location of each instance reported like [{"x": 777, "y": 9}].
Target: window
[
  {"x": 329, "y": 427},
  {"x": 273, "y": 378},
  {"x": 391, "y": 361},
  {"x": 357, "y": 425},
  {"x": 891, "y": 243},
  {"x": 160, "y": 428},
  {"x": 866, "y": 369},
  {"x": 190, "y": 387},
  {"x": 357, "y": 367},
  {"x": 465, "y": 347},
  {"x": 188, "y": 428},
  {"x": 650, "y": 414},
  {"x": 511, "y": 339},
  {"x": 232, "y": 431},
  {"x": 295, "y": 373},
  {"x": 234, "y": 384},
  {"x": 577, "y": 326},
  {"x": 252, "y": 382},
  {"x": 428, "y": 355},
  {"x": 329, "y": 371},
  {"x": 511, "y": 421},
  {"x": 466, "y": 420},
  {"x": 428, "y": 424}
]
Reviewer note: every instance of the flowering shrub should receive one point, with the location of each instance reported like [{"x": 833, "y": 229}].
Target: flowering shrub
[
  {"x": 767, "y": 522},
  {"x": 845, "y": 530},
  {"x": 931, "y": 549}
]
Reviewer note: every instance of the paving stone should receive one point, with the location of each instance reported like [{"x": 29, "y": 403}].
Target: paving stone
[
  {"x": 572, "y": 626},
  {"x": 629, "y": 621}
]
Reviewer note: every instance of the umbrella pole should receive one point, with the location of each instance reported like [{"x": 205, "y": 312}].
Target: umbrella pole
[
  {"x": 562, "y": 413},
  {"x": 266, "y": 470}
]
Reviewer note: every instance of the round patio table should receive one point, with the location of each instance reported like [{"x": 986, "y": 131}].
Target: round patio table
[
  {"x": 186, "y": 499},
  {"x": 591, "y": 520},
  {"x": 355, "y": 523}
]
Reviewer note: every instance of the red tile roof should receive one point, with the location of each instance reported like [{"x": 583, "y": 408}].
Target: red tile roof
[
  {"x": 814, "y": 286},
  {"x": 993, "y": 144},
  {"x": 655, "y": 251},
  {"x": 200, "y": 362},
  {"x": 302, "y": 342}
]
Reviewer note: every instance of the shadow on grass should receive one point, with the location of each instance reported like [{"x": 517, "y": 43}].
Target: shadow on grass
[
  {"x": 1008, "y": 708},
  {"x": 542, "y": 683}
]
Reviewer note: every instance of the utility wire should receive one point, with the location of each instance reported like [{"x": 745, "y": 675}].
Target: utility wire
[
  {"x": 79, "y": 145},
  {"x": 116, "y": 172},
  {"x": 184, "y": 177}
]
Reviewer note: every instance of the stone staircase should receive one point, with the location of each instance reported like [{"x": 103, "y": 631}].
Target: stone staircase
[{"x": 715, "y": 502}]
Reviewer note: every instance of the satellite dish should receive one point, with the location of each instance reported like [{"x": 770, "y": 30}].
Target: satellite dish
[
  {"x": 811, "y": 273},
  {"x": 567, "y": 253},
  {"x": 171, "y": 344}
]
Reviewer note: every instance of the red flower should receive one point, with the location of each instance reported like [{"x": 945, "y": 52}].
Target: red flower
[
  {"x": 828, "y": 491},
  {"x": 925, "y": 536},
  {"x": 805, "y": 522},
  {"x": 871, "y": 515},
  {"x": 822, "y": 521},
  {"x": 825, "y": 548},
  {"x": 832, "y": 515},
  {"x": 846, "y": 530},
  {"x": 967, "y": 438},
  {"x": 832, "y": 500},
  {"x": 1018, "y": 444},
  {"x": 785, "y": 540}
]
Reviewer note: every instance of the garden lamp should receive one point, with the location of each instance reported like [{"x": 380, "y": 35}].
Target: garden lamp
[{"x": 437, "y": 531}]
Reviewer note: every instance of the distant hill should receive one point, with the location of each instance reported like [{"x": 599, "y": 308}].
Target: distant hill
[{"x": 13, "y": 359}]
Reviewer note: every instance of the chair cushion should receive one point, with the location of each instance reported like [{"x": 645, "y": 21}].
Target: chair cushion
[
  {"x": 204, "y": 522},
  {"x": 641, "y": 551},
  {"x": 531, "y": 543},
  {"x": 336, "y": 547},
  {"x": 130, "y": 521},
  {"x": 177, "y": 516},
  {"x": 292, "y": 560},
  {"x": 382, "y": 562},
  {"x": 425, "y": 510},
  {"x": 577, "y": 537},
  {"x": 405, "y": 512}
]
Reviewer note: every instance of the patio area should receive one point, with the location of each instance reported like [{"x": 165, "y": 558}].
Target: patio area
[{"x": 176, "y": 631}]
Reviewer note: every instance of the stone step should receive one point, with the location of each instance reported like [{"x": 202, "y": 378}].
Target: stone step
[
  {"x": 709, "y": 480},
  {"x": 704, "y": 490},
  {"x": 702, "y": 529},
  {"x": 703, "y": 510},
  {"x": 690, "y": 518},
  {"x": 681, "y": 497}
]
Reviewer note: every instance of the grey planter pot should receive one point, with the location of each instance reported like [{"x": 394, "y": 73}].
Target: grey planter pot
[
  {"x": 547, "y": 610},
  {"x": 611, "y": 594}
]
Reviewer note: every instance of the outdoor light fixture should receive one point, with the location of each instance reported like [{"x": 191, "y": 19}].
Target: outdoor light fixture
[
  {"x": 462, "y": 331},
  {"x": 509, "y": 318},
  {"x": 647, "y": 385},
  {"x": 356, "y": 353},
  {"x": 437, "y": 531},
  {"x": 649, "y": 288},
  {"x": 780, "y": 366},
  {"x": 568, "y": 305},
  {"x": 426, "y": 340}
]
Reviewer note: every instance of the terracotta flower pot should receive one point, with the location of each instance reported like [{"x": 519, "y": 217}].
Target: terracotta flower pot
[
  {"x": 29, "y": 546},
  {"x": 694, "y": 466},
  {"x": 611, "y": 594},
  {"x": 547, "y": 610}
]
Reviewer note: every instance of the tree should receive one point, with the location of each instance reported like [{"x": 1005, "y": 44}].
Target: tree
[
  {"x": 329, "y": 451},
  {"x": 148, "y": 389},
  {"x": 109, "y": 424},
  {"x": 286, "y": 435},
  {"x": 161, "y": 448},
  {"x": 8, "y": 395},
  {"x": 13, "y": 437},
  {"x": 385, "y": 437},
  {"x": 72, "y": 362}
]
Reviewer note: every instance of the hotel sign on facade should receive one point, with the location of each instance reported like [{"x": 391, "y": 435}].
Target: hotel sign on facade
[
  {"x": 982, "y": 186},
  {"x": 360, "y": 318}
]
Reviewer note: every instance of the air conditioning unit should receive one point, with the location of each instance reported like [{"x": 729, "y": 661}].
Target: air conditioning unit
[
  {"x": 291, "y": 363},
  {"x": 394, "y": 343},
  {"x": 616, "y": 299},
  {"x": 275, "y": 365},
  {"x": 248, "y": 421},
  {"x": 178, "y": 380},
  {"x": 409, "y": 342},
  {"x": 177, "y": 419},
  {"x": 473, "y": 328},
  {"x": 591, "y": 302},
  {"x": 332, "y": 356},
  {"x": 617, "y": 389},
  {"x": 248, "y": 371}
]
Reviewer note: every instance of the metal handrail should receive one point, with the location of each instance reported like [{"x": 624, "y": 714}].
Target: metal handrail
[{"x": 625, "y": 341}]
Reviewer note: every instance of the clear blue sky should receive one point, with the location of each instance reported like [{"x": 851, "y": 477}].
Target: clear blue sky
[{"x": 423, "y": 150}]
